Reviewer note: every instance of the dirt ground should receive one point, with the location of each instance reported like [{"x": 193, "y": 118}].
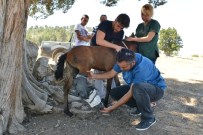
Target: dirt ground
[{"x": 179, "y": 112}]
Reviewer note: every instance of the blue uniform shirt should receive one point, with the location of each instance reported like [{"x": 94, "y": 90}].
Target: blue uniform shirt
[{"x": 144, "y": 71}]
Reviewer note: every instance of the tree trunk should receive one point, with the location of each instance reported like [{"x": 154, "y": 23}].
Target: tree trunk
[
  {"x": 18, "y": 87},
  {"x": 12, "y": 29},
  {"x": 13, "y": 20}
]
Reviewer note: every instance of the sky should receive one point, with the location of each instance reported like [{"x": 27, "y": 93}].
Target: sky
[{"x": 183, "y": 15}]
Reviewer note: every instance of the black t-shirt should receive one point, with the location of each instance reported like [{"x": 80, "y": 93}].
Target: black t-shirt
[{"x": 110, "y": 35}]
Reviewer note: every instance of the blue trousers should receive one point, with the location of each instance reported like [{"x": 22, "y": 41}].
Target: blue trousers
[{"x": 143, "y": 95}]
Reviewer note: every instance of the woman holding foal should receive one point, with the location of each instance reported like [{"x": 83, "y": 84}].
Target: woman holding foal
[
  {"x": 107, "y": 33},
  {"x": 147, "y": 34}
]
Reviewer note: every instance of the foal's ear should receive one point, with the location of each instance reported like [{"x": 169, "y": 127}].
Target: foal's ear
[{"x": 132, "y": 35}]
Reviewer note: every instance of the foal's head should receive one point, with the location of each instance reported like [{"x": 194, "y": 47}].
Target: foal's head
[{"x": 131, "y": 45}]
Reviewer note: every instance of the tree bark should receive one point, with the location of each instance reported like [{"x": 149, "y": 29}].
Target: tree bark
[
  {"x": 18, "y": 87},
  {"x": 12, "y": 33}
]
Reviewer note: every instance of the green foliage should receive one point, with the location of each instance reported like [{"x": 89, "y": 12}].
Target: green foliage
[
  {"x": 195, "y": 55},
  {"x": 38, "y": 34},
  {"x": 44, "y": 8},
  {"x": 169, "y": 41},
  {"x": 111, "y": 3},
  {"x": 157, "y": 3}
]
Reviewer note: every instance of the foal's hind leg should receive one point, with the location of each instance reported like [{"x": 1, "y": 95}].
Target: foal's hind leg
[
  {"x": 108, "y": 89},
  {"x": 67, "y": 86},
  {"x": 70, "y": 74}
]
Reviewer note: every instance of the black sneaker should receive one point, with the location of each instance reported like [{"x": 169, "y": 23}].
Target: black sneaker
[
  {"x": 135, "y": 113},
  {"x": 144, "y": 125}
]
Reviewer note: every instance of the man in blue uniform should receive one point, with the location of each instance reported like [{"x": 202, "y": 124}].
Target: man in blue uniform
[{"x": 144, "y": 84}]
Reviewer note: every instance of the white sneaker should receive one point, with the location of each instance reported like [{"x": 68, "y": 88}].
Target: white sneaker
[
  {"x": 91, "y": 96},
  {"x": 93, "y": 99}
]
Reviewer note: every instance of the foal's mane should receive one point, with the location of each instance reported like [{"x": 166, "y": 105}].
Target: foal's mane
[{"x": 124, "y": 42}]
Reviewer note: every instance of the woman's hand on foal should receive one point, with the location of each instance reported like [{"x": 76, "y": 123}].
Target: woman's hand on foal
[{"x": 131, "y": 38}]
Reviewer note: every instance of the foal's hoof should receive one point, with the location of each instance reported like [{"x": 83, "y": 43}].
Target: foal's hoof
[
  {"x": 105, "y": 102},
  {"x": 67, "y": 112}
]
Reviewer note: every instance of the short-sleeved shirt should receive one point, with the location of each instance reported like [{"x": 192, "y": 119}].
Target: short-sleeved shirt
[
  {"x": 144, "y": 71},
  {"x": 94, "y": 30},
  {"x": 83, "y": 32},
  {"x": 148, "y": 49},
  {"x": 110, "y": 35}
]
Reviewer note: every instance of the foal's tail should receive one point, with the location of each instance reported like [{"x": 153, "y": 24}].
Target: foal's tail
[{"x": 60, "y": 67}]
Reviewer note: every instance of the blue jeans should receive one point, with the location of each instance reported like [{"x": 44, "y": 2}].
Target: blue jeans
[{"x": 143, "y": 95}]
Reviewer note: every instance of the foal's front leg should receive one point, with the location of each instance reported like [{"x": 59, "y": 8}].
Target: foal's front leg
[{"x": 108, "y": 89}]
